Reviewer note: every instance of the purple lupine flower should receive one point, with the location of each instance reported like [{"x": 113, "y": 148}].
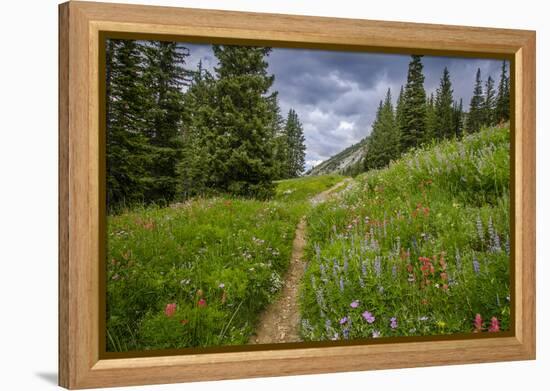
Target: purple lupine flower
[
  {"x": 328, "y": 325},
  {"x": 458, "y": 260},
  {"x": 344, "y": 320},
  {"x": 507, "y": 245},
  {"x": 354, "y": 304},
  {"x": 318, "y": 252},
  {"x": 345, "y": 333},
  {"x": 341, "y": 284},
  {"x": 375, "y": 334},
  {"x": 364, "y": 268},
  {"x": 335, "y": 337},
  {"x": 377, "y": 266},
  {"x": 479, "y": 226},
  {"x": 346, "y": 264},
  {"x": 475, "y": 264},
  {"x": 394, "y": 271},
  {"x": 393, "y": 322},
  {"x": 368, "y": 317}
]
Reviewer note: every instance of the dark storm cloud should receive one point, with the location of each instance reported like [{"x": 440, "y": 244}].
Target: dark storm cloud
[{"x": 336, "y": 94}]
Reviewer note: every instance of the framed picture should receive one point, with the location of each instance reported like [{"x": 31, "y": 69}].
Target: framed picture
[{"x": 246, "y": 195}]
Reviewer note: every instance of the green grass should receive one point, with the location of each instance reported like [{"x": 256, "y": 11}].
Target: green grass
[
  {"x": 424, "y": 241},
  {"x": 219, "y": 260},
  {"x": 301, "y": 189}
]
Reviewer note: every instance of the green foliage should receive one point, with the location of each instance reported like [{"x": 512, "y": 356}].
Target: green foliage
[
  {"x": 295, "y": 145},
  {"x": 502, "y": 107},
  {"x": 476, "y": 115},
  {"x": 424, "y": 241},
  {"x": 182, "y": 254},
  {"x": 489, "y": 103},
  {"x": 242, "y": 136},
  {"x": 144, "y": 110},
  {"x": 413, "y": 126},
  {"x": 444, "y": 107},
  {"x": 126, "y": 141},
  {"x": 383, "y": 142}
]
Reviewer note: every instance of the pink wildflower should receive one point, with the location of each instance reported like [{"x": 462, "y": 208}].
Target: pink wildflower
[
  {"x": 478, "y": 324},
  {"x": 170, "y": 309},
  {"x": 495, "y": 325}
]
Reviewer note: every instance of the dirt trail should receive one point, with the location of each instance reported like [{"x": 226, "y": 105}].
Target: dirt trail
[{"x": 281, "y": 320}]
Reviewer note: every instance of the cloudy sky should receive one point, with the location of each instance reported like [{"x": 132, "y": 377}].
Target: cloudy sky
[{"x": 336, "y": 94}]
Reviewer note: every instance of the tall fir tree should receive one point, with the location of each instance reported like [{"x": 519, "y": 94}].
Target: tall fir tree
[
  {"x": 444, "y": 107},
  {"x": 296, "y": 144},
  {"x": 489, "y": 103},
  {"x": 164, "y": 77},
  {"x": 383, "y": 142},
  {"x": 243, "y": 160},
  {"x": 476, "y": 115},
  {"x": 502, "y": 109},
  {"x": 126, "y": 142},
  {"x": 431, "y": 120},
  {"x": 458, "y": 119},
  {"x": 413, "y": 127},
  {"x": 197, "y": 146}
]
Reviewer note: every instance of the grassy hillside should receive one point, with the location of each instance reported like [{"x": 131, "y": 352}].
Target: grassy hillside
[
  {"x": 419, "y": 248},
  {"x": 199, "y": 273}
]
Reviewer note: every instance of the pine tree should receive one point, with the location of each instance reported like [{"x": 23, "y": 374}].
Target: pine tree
[
  {"x": 296, "y": 145},
  {"x": 444, "y": 107},
  {"x": 489, "y": 103},
  {"x": 383, "y": 142},
  {"x": 458, "y": 121},
  {"x": 197, "y": 146},
  {"x": 399, "y": 109},
  {"x": 126, "y": 140},
  {"x": 414, "y": 107},
  {"x": 502, "y": 109},
  {"x": 243, "y": 160},
  {"x": 476, "y": 113},
  {"x": 431, "y": 120},
  {"x": 164, "y": 77}
]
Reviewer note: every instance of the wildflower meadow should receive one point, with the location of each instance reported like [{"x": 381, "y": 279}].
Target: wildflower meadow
[{"x": 419, "y": 248}]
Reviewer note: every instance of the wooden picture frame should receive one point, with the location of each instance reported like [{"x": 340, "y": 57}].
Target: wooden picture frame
[{"x": 82, "y": 365}]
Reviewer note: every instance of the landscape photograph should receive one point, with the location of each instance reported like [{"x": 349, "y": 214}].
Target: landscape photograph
[{"x": 263, "y": 195}]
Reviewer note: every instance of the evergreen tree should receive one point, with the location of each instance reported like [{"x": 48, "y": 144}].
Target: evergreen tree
[
  {"x": 431, "y": 120},
  {"x": 296, "y": 145},
  {"x": 242, "y": 157},
  {"x": 197, "y": 145},
  {"x": 126, "y": 141},
  {"x": 476, "y": 113},
  {"x": 164, "y": 77},
  {"x": 444, "y": 107},
  {"x": 280, "y": 141},
  {"x": 413, "y": 127},
  {"x": 399, "y": 109},
  {"x": 502, "y": 109},
  {"x": 489, "y": 103},
  {"x": 458, "y": 121},
  {"x": 383, "y": 142}
]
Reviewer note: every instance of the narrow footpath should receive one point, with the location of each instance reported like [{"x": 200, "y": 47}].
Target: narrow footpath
[{"x": 280, "y": 322}]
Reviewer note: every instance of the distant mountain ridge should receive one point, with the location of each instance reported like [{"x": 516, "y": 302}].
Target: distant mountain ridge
[{"x": 344, "y": 162}]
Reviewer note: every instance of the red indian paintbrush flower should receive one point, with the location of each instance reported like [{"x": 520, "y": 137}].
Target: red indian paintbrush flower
[
  {"x": 201, "y": 302},
  {"x": 495, "y": 325},
  {"x": 170, "y": 309},
  {"x": 478, "y": 324}
]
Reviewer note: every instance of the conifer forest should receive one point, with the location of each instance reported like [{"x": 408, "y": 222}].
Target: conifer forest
[{"x": 260, "y": 195}]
